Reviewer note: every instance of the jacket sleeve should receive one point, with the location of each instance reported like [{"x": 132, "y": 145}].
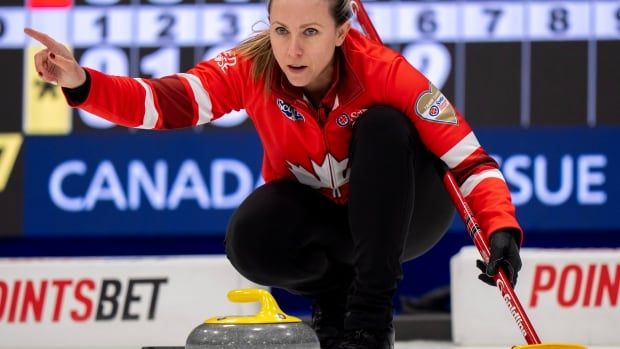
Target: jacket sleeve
[
  {"x": 209, "y": 90},
  {"x": 447, "y": 134}
]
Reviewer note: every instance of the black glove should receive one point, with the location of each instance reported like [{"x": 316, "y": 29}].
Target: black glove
[{"x": 504, "y": 253}]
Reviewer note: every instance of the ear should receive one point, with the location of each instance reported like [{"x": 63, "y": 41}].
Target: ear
[{"x": 342, "y": 31}]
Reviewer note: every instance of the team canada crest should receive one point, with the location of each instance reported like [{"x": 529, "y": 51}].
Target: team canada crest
[
  {"x": 288, "y": 111},
  {"x": 226, "y": 59}
]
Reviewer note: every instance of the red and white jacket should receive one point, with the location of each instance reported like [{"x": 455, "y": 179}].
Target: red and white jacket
[{"x": 307, "y": 144}]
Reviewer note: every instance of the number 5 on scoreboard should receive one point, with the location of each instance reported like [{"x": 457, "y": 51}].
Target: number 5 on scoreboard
[{"x": 10, "y": 143}]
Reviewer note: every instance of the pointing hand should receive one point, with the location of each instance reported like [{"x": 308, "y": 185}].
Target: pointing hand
[{"x": 56, "y": 64}]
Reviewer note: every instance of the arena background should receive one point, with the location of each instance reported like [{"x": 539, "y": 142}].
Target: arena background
[{"x": 538, "y": 81}]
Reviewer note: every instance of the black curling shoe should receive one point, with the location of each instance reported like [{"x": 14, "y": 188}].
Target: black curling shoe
[
  {"x": 328, "y": 325},
  {"x": 368, "y": 339}
]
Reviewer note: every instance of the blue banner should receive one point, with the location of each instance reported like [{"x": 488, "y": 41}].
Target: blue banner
[
  {"x": 560, "y": 179},
  {"x": 184, "y": 182},
  {"x": 146, "y": 183}
]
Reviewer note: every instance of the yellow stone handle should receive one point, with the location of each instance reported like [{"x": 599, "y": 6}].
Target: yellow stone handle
[{"x": 269, "y": 313}]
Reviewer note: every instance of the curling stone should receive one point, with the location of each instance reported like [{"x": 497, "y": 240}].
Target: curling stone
[{"x": 271, "y": 328}]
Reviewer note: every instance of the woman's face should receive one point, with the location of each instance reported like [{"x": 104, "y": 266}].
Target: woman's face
[{"x": 303, "y": 37}]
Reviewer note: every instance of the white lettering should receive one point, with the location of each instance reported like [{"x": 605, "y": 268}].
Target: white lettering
[
  {"x": 518, "y": 179},
  {"x": 541, "y": 177},
  {"x": 154, "y": 189},
  {"x": 513, "y": 309},
  {"x": 219, "y": 169},
  {"x": 582, "y": 176},
  {"x": 196, "y": 188},
  {"x": 58, "y": 196},
  {"x": 71, "y": 187},
  {"x": 589, "y": 177},
  {"x": 105, "y": 186}
]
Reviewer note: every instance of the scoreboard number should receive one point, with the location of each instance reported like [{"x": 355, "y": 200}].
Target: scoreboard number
[
  {"x": 168, "y": 21},
  {"x": 481, "y": 22},
  {"x": 432, "y": 59},
  {"x": 226, "y": 23},
  {"x": 427, "y": 22},
  {"x": 232, "y": 27},
  {"x": 157, "y": 24},
  {"x": 558, "y": 21},
  {"x": 12, "y": 22},
  {"x": 10, "y": 143},
  {"x": 102, "y": 22},
  {"x": 494, "y": 16}
]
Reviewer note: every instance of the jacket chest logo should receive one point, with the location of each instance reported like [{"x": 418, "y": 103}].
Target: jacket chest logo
[
  {"x": 331, "y": 174},
  {"x": 288, "y": 111},
  {"x": 343, "y": 120}
]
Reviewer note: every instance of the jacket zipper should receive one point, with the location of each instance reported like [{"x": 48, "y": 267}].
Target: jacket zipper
[
  {"x": 321, "y": 122},
  {"x": 324, "y": 116}
]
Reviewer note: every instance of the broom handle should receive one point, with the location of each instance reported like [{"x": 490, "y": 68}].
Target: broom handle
[{"x": 503, "y": 284}]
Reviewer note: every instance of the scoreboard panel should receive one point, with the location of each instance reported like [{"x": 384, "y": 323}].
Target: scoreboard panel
[
  {"x": 518, "y": 65},
  {"x": 503, "y": 63}
]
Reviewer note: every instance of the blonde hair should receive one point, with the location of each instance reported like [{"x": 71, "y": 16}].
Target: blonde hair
[{"x": 257, "y": 48}]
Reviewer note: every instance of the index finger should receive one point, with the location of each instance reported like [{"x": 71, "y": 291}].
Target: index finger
[{"x": 43, "y": 38}]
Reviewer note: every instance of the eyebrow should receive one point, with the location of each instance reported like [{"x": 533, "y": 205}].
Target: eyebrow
[{"x": 301, "y": 26}]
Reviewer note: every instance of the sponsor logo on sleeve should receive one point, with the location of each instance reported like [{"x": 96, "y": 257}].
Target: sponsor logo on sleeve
[{"x": 433, "y": 106}]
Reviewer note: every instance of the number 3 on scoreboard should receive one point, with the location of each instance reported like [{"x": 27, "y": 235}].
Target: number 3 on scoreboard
[{"x": 10, "y": 143}]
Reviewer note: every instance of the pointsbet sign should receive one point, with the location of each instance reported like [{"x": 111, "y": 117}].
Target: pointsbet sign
[
  {"x": 574, "y": 285},
  {"x": 121, "y": 302},
  {"x": 79, "y": 300},
  {"x": 570, "y": 295}
]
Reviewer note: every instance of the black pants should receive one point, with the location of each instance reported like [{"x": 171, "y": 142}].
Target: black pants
[{"x": 287, "y": 235}]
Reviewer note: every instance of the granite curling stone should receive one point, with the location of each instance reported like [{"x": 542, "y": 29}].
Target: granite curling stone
[{"x": 271, "y": 328}]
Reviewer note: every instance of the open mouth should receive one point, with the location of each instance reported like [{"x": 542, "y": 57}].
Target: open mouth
[{"x": 297, "y": 68}]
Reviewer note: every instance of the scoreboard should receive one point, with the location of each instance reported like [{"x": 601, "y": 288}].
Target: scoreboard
[
  {"x": 503, "y": 63},
  {"x": 520, "y": 65}
]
